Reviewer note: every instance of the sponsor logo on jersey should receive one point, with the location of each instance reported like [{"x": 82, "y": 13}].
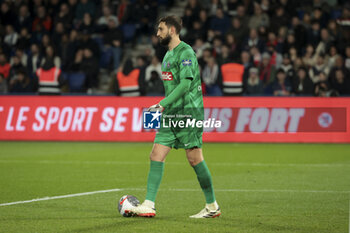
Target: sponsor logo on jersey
[
  {"x": 166, "y": 64},
  {"x": 167, "y": 76},
  {"x": 187, "y": 62}
]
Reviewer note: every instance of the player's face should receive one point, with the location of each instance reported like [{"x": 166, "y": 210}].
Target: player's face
[{"x": 163, "y": 33}]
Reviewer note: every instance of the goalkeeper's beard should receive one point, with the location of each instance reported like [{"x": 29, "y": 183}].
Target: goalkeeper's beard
[{"x": 165, "y": 42}]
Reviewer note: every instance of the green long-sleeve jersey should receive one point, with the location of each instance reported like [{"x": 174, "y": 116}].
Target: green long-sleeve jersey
[{"x": 178, "y": 65}]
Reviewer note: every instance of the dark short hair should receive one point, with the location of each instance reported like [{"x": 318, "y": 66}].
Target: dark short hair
[{"x": 172, "y": 20}]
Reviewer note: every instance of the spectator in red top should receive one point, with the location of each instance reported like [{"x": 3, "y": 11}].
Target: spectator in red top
[
  {"x": 267, "y": 70},
  {"x": 4, "y": 66},
  {"x": 123, "y": 11},
  {"x": 271, "y": 40},
  {"x": 276, "y": 58},
  {"x": 42, "y": 20}
]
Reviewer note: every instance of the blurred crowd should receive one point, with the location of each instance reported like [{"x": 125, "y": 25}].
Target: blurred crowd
[{"x": 285, "y": 47}]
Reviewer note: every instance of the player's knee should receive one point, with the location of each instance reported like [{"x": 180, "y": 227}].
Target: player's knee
[
  {"x": 193, "y": 161},
  {"x": 152, "y": 156},
  {"x": 156, "y": 157}
]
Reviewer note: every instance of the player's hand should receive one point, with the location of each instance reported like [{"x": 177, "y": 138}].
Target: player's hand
[{"x": 156, "y": 107}]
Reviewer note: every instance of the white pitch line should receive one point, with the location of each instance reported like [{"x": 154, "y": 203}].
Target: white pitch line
[
  {"x": 71, "y": 162},
  {"x": 178, "y": 163},
  {"x": 285, "y": 164},
  {"x": 176, "y": 190},
  {"x": 61, "y": 197},
  {"x": 265, "y": 190}
]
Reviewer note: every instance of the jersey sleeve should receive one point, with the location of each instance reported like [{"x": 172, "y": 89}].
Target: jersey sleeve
[{"x": 187, "y": 64}]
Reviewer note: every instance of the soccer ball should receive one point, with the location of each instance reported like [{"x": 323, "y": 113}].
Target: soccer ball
[{"x": 125, "y": 203}]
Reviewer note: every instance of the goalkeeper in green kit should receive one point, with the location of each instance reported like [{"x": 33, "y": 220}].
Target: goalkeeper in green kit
[{"x": 182, "y": 83}]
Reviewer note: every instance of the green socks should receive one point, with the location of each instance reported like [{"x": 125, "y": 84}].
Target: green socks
[
  {"x": 156, "y": 173},
  {"x": 204, "y": 178},
  {"x": 154, "y": 178}
]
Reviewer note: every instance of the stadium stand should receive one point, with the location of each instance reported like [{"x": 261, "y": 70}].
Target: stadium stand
[{"x": 297, "y": 48}]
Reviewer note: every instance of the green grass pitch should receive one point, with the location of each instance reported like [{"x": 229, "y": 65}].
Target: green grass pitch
[{"x": 260, "y": 188}]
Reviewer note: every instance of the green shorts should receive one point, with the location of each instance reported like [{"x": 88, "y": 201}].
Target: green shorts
[{"x": 186, "y": 138}]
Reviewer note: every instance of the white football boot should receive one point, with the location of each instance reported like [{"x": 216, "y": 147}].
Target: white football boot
[
  {"x": 210, "y": 211},
  {"x": 143, "y": 210}
]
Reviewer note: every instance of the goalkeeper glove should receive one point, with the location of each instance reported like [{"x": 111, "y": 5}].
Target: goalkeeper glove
[{"x": 156, "y": 107}]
